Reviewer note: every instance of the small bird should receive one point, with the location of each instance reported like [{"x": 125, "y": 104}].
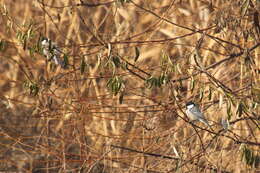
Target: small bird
[
  {"x": 225, "y": 124},
  {"x": 194, "y": 113},
  {"x": 52, "y": 52}
]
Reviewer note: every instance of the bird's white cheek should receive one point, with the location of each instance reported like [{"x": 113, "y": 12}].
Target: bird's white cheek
[{"x": 190, "y": 106}]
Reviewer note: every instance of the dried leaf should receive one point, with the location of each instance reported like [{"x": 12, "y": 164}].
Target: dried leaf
[{"x": 137, "y": 53}]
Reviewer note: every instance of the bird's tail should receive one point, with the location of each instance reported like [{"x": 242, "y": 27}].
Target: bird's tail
[{"x": 206, "y": 122}]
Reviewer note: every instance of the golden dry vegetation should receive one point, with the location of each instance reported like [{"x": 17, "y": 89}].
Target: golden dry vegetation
[{"x": 131, "y": 65}]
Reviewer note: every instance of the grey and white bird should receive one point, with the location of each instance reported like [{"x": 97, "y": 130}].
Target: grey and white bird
[
  {"x": 52, "y": 52},
  {"x": 194, "y": 113},
  {"x": 225, "y": 124}
]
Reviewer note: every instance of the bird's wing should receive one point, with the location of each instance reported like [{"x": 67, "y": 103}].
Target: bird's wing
[
  {"x": 197, "y": 111},
  {"x": 200, "y": 115}
]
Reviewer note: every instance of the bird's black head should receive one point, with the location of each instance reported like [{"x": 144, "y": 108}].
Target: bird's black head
[
  {"x": 189, "y": 103},
  {"x": 43, "y": 38}
]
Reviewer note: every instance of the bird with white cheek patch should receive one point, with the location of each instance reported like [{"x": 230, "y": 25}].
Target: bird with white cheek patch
[
  {"x": 52, "y": 52},
  {"x": 194, "y": 113}
]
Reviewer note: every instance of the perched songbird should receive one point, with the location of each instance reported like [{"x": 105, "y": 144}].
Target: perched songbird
[
  {"x": 52, "y": 52},
  {"x": 194, "y": 113},
  {"x": 225, "y": 124}
]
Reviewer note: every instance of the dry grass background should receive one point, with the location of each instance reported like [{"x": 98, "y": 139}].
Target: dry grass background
[{"x": 157, "y": 55}]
